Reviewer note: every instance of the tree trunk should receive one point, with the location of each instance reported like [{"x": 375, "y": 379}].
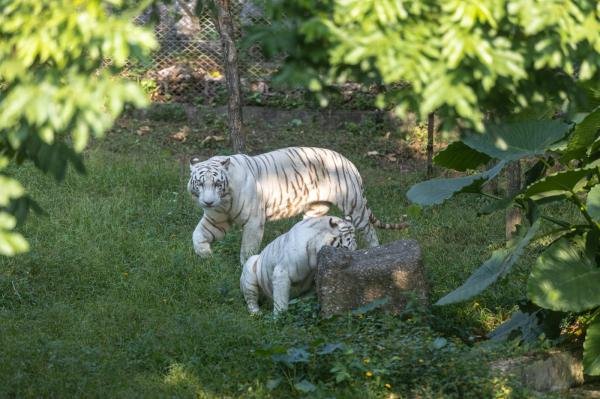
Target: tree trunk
[
  {"x": 513, "y": 215},
  {"x": 430, "y": 132},
  {"x": 492, "y": 186},
  {"x": 232, "y": 76}
]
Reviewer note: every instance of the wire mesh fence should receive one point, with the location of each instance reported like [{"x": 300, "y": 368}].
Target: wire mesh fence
[{"x": 188, "y": 66}]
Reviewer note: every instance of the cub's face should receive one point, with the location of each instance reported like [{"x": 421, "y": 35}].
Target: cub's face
[
  {"x": 344, "y": 234},
  {"x": 208, "y": 182}
]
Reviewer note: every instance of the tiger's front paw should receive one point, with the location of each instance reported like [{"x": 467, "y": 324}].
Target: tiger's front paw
[
  {"x": 254, "y": 311},
  {"x": 202, "y": 249}
]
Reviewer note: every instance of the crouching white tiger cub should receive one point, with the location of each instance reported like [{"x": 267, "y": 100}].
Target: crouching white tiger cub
[
  {"x": 286, "y": 267},
  {"x": 280, "y": 184}
]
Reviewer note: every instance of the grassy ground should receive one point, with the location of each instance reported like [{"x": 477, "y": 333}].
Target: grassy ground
[{"x": 112, "y": 301}]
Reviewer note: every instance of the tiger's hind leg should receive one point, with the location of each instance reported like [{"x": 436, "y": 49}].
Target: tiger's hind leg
[
  {"x": 361, "y": 215},
  {"x": 316, "y": 209},
  {"x": 370, "y": 235},
  {"x": 281, "y": 289}
]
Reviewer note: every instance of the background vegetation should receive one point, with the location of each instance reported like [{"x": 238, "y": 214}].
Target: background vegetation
[{"x": 112, "y": 301}]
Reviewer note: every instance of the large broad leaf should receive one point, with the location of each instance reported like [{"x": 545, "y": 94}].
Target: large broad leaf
[
  {"x": 495, "y": 206},
  {"x": 537, "y": 171},
  {"x": 565, "y": 278},
  {"x": 560, "y": 183},
  {"x": 305, "y": 386},
  {"x": 512, "y": 141},
  {"x": 528, "y": 323},
  {"x": 584, "y": 134},
  {"x": 521, "y": 325},
  {"x": 459, "y": 156},
  {"x": 495, "y": 267},
  {"x": 591, "y": 349},
  {"x": 593, "y": 203},
  {"x": 436, "y": 191}
]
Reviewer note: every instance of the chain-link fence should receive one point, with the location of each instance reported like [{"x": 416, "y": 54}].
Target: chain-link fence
[{"x": 188, "y": 66}]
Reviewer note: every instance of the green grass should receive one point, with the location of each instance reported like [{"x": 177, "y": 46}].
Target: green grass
[{"x": 111, "y": 301}]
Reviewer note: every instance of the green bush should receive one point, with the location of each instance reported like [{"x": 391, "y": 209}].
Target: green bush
[
  {"x": 566, "y": 275},
  {"x": 59, "y": 85}
]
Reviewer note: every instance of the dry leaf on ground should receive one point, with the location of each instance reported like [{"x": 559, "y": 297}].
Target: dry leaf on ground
[
  {"x": 208, "y": 139},
  {"x": 143, "y": 130},
  {"x": 182, "y": 134}
]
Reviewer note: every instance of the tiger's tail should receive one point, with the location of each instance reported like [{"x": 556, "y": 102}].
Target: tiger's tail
[{"x": 387, "y": 226}]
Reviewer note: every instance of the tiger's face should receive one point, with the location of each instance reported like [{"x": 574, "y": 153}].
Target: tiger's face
[
  {"x": 344, "y": 236},
  {"x": 209, "y": 183}
]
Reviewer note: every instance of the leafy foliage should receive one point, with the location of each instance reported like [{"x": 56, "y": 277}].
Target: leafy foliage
[
  {"x": 437, "y": 191},
  {"x": 527, "y": 324},
  {"x": 403, "y": 364},
  {"x": 517, "y": 140},
  {"x": 55, "y": 89},
  {"x": 498, "y": 265},
  {"x": 456, "y": 57},
  {"x": 566, "y": 275},
  {"x": 565, "y": 278},
  {"x": 461, "y": 157},
  {"x": 591, "y": 346}
]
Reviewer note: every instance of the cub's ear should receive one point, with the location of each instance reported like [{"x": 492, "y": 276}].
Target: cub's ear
[
  {"x": 194, "y": 160},
  {"x": 225, "y": 163},
  {"x": 333, "y": 223},
  {"x": 348, "y": 218}
]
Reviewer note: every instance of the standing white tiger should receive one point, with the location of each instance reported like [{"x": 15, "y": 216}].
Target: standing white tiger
[
  {"x": 286, "y": 267},
  {"x": 280, "y": 184}
]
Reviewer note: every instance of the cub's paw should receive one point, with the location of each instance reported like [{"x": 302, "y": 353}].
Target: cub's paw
[{"x": 202, "y": 250}]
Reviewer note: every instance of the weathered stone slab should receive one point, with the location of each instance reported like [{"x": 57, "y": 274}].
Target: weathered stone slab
[
  {"x": 545, "y": 372},
  {"x": 347, "y": 279}
]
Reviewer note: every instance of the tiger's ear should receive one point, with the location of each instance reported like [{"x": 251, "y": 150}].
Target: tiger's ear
[
  {"x": 348, "y": 218},
  {"x": 225, "y": 163},
  {"x": 332, "y": 223},
  {"x": 194, "y": 160}
]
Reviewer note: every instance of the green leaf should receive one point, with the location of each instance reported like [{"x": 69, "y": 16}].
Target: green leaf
[
  {"x": 520, "y": 325},
  {"x": 584, "y": 134},
  {"x": 495, "y": 206},
  {"x": 495, "y": 267},
  {"x": 593, "y": 203},
  {"x": 439, "y": 343},
  {"x": 330, "y": 348},
  {"x": 273, "y": 383},
  {"x": 565, "y": 278},
  {"x": 9, "y": 188},
  {"x": 459, "y": 156},
  {"x": 291, "y": 356},
  {"x": 512, "y": 141},
  {"x": 376, "y": 304},
  {"x": 561, "y": 183},
  {"x": 534, "y": 173},
  {"x": 11, "y": 243},
  {"x": 305, "y": 386},
  {"x": 591, "y": 349},
  {"x": 528, "y": 323},
  {"x": 436, "y": 191}
]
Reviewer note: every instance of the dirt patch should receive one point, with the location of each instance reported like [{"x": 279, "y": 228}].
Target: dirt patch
[{"x": 380, "y": 137}]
